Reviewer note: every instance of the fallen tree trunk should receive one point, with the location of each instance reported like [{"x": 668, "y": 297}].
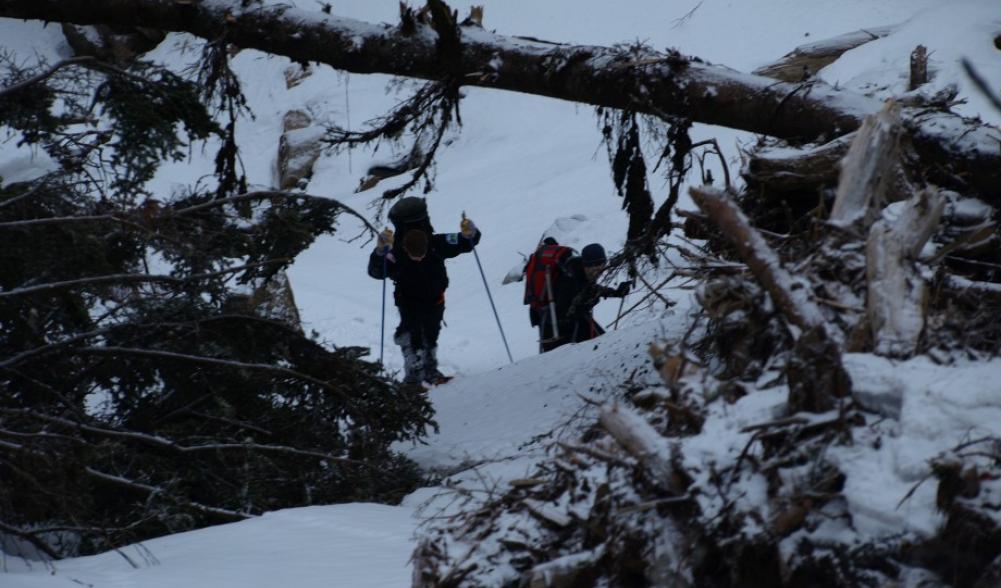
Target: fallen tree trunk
[
  {"x": 640, "y": 80},
  {"x": 781, "y": 169},
  {"x": 563, "y": 572}
]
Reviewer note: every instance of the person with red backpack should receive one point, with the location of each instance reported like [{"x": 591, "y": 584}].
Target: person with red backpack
[
  {"x": 561, "y": 290},
  {"x": 416, "y": 264}
]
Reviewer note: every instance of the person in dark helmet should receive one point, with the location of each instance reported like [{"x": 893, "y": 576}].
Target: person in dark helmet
[
  {"x": 576, "y": 292},
  {"x": 416, "y": 264}
]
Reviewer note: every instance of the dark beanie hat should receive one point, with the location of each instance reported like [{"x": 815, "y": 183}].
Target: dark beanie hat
[
  {"x": 593, "y": 255},
  {"x": 415, "y": 242}
]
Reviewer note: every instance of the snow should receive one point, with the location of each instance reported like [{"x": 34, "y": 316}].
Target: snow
[
  {"x": 950, "y": 32},
  {"x": 357, "y": 545},
  {"x": 522, "y": 167}
]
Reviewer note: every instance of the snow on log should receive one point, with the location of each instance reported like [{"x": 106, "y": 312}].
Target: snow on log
[
  {"x": 643, "y": 81},
  {"x": 563, "y": 572},
  {"x": 987, "y": 290},
  {"x": 805, "y": 61},
  {"x": 897, "y": 292},
  {"x": 790, "y": 295},
  {"x": 787, "y": 169},
  {"x": 868, "y": 169},
  {"x": 643, "y": 442}
]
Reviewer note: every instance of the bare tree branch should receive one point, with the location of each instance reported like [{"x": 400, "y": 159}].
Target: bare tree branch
[
  {"x": 110, "y": 350},
  {"x": 172, "y": 445},
  {"x": 46, "y": 74},
  {"x": 120, "y": 481},
  {"x": 274, "y": 194},
  {"x": 133, "y": 278},
  {"x": 30, "y": 537}
]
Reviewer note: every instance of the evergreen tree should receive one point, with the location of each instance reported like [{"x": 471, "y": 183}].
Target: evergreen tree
[{"x": 142, "y": 393}]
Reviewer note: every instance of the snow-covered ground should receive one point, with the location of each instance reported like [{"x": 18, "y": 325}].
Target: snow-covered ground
[{"x": 519, "y": 166}]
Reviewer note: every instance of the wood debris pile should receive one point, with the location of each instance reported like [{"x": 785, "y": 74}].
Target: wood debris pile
[{"x": 846, "y": 249}]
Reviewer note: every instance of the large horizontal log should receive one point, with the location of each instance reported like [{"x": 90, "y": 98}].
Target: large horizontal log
[{"x": 646, "y": 81}]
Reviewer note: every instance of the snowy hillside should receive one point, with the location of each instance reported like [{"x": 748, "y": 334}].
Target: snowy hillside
[{"x": 521, "y": 166}]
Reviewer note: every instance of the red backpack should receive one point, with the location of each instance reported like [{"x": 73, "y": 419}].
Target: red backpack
[{"x": 545, "y": 261}]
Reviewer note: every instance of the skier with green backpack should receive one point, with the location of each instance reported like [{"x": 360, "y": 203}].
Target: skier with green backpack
[{"x": 416, "y": 264}]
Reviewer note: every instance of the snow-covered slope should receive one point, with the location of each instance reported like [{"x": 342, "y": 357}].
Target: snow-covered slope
[
  {"x": 349, "y": 545},
  {"x": 519, "y": 164}
]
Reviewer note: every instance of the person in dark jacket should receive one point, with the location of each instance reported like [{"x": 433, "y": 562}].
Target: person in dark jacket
[
  {"x": 576, "y": 292},
  {"x": 416, "y": 264}
]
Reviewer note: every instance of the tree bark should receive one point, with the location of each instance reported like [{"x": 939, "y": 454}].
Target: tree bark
[
  {"x": 644, "y": 81},
  {"x": 919, "y": 68},
  {"x": 781, "y": 169},
  {"x": 563, "y": 572}
]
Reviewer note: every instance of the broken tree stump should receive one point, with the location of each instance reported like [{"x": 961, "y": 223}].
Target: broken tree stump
[
  {"x": 897, "y": 292},
  {"x": 919, "y": 68}
]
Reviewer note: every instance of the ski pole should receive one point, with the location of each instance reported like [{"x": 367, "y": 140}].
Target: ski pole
[
  {"x": 489, "y": 296},
  {"x": 622, "y": 302},
  {"x": 618, "y": 315},
  {"x": 382, "y": 327}
]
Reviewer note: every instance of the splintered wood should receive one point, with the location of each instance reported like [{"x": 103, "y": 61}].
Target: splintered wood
[{"x": 868, "y": 169}]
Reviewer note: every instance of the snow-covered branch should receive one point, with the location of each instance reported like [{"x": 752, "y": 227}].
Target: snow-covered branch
[
  {"x": 222, "y": 513},
  {"x": 790, "y": 295}
]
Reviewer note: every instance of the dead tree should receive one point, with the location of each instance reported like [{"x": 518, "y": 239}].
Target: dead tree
[{"x": 653, "y": 82}]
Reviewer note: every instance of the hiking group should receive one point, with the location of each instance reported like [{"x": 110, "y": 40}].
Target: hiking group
[{"x": 561, "y": 287}]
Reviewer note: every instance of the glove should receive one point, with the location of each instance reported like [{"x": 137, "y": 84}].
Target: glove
[
  {"x": 467, "y": 228},
  {"x": 624, "y": 288},
  {"x": 385, "y": 242}
]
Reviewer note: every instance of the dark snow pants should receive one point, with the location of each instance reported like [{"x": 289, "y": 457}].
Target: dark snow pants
[{"x": 417, "y": 336}]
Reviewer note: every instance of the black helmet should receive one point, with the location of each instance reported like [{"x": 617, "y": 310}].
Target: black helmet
[
  {"x": 408, "y": 210},
  {"x": 593, "y": 255}
]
